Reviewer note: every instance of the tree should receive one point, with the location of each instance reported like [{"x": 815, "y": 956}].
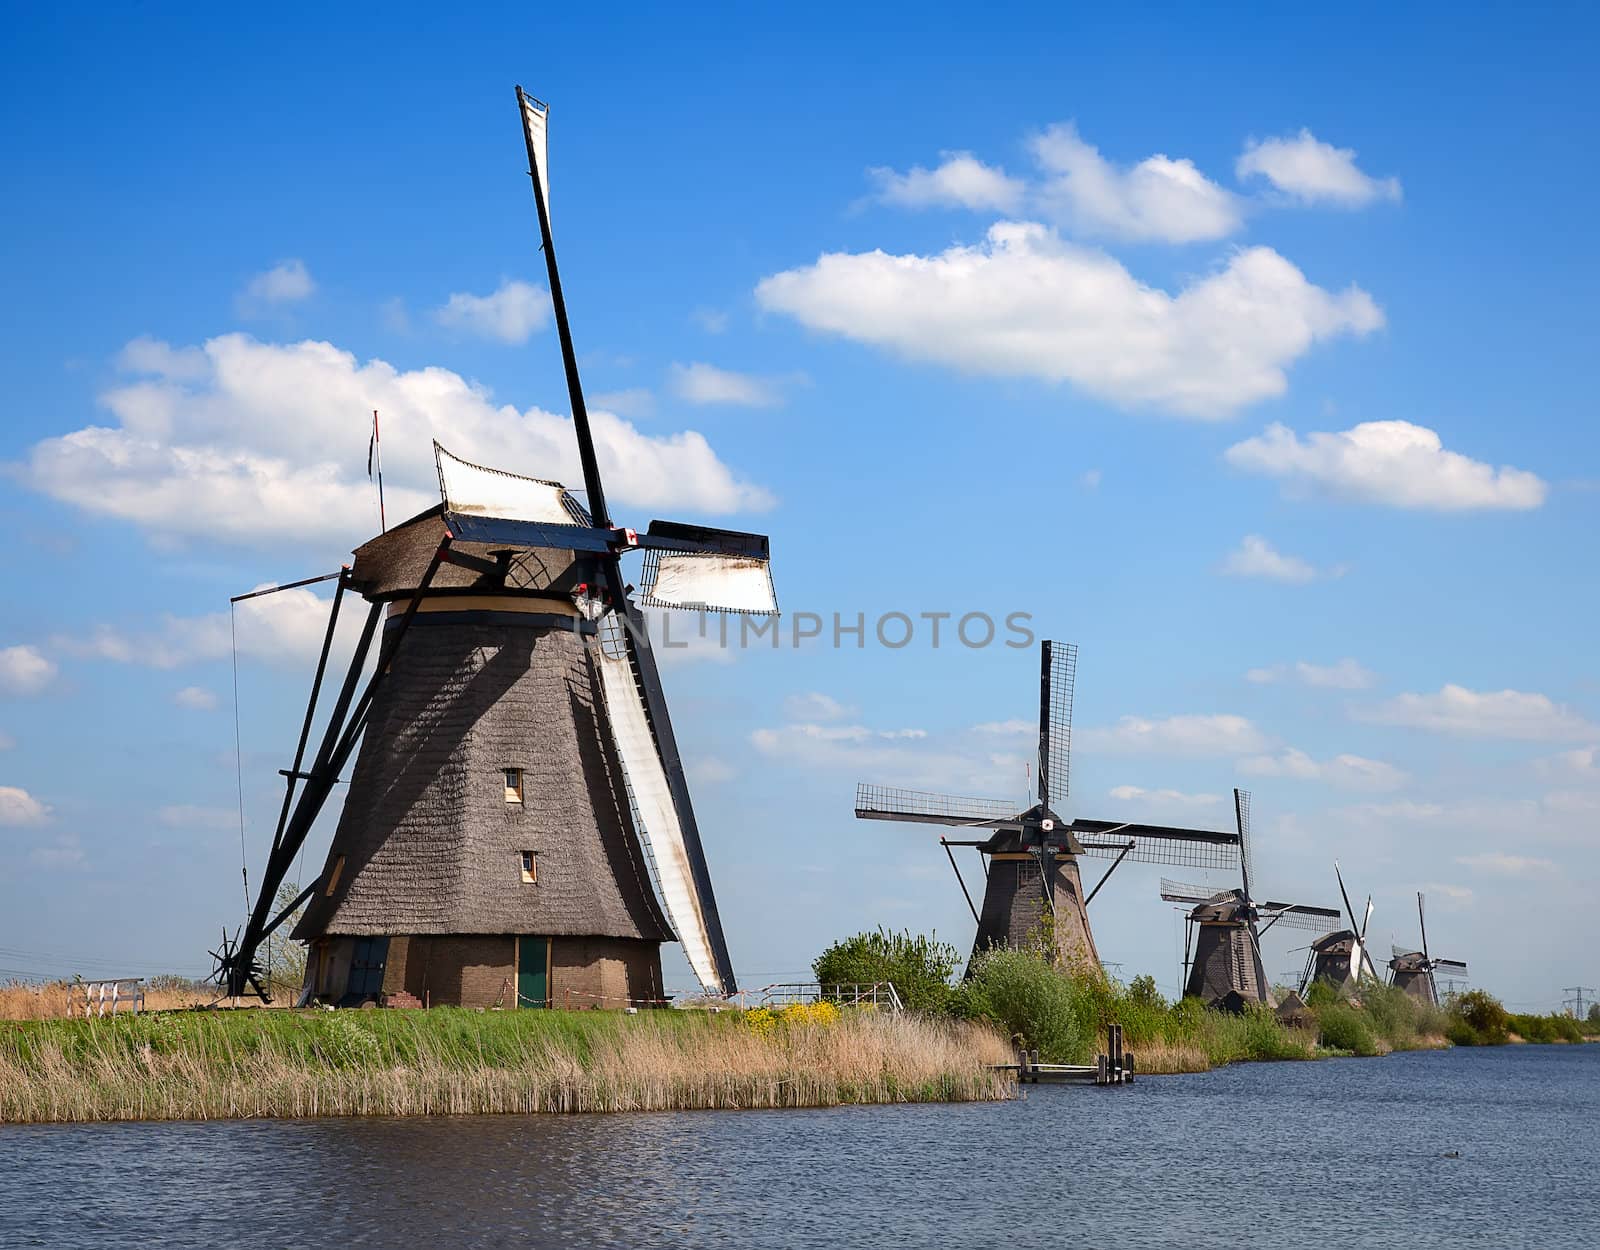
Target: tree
[
  {"x": 918, "y": 967},
  {"x": 286, "y": 958},
  {"x": 1594, "y": 1014}
]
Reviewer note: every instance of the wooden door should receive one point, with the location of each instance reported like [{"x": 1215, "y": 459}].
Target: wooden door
[{"x": 533, "y": 971}]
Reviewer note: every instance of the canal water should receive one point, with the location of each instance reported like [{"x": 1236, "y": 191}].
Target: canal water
[{"x": 1460, "y": 1148}]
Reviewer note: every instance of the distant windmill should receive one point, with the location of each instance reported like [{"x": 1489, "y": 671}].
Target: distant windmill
[
  {"x": 1225, "y": 930},
  {"x": 1031, "y": 858},
  {"x": 1341, "y": 959},
  {"x": 1413, "y": 971}
]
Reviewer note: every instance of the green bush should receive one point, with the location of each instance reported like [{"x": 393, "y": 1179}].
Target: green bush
[
  {"x": 1343, "y": 1026},
  {"x": 1478, "y": 1019},
  {"x": 1024, "y": 995},
  {"x": 920, "y": 968},
  {"x": 1546, "y": 1029}
]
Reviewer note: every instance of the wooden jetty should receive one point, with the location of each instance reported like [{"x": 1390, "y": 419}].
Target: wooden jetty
[{"x": 1114, "y": 1068}]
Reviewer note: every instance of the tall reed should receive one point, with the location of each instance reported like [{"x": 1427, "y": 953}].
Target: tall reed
[{"x": 203, "y": 1065}]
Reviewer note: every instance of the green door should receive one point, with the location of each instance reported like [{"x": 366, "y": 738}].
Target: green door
[{"x": 533, "y": 980}]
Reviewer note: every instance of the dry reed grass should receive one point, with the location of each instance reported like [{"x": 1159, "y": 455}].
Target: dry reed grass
[{"x": 210, "y": 1065}]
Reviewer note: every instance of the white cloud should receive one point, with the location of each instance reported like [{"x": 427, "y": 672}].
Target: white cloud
[
  {"x": 64, "y": 852},
  {"x": 18, "y": 807},
  {"x": 284, "y": 629},
  {"x": 23, "y": 670},
  {"x": 632, "y": 401},
  {"x": 1313, "y": 172},
  {"x": 815, "y": 706},
  {"x": 959, "y": 181},
  {"x": 1089, "y": 479},
  {"x": 508, "y": 314},
  {"x": 700, "y": 383},
  {"x": 711, "y": 320},
  {"x": 1349, "y": 772},
  {"x": 888, "y": 756},
  {"x": 1386, "y": 462},
  {"x": 1159, "y": 198},
  {"x": 1166, "y": 798},
  {"x": 1027, "y": 303},
  {"x": 1346, "y": 674},
  {"x": 1488, "y": 714},
  {"x": 1258, "y": 558},
  {"x": 285, "y": 283},
  {"x": 270, "y": 446},
  {"x": 1583, "y": 762},
  {"x": 194, "y": 816},
  {"x": 1015, "y": 727},
  {"x": 1454, "y": 896},
  {"x": 1507, "y": 865},
  {"x": 1220, "y": 734},
  {"x": 148, "y": 355},
  {"x": 196, "y": 699},
  {"x": 711, "y": 772}
]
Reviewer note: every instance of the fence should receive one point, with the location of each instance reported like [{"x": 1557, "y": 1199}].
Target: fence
[
  {"x": 879, "y": 994},
  {"x": 99, "y": 998}
]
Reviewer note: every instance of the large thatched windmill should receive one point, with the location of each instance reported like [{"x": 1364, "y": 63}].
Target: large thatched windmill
[
  {"x": 1341, "y": 959},
  {"x": 1032, "y": 882},
  {"x": 1413, "y": 970},
  {"x": 518, "y": 783},
  {"x": 1224, "y": 930}
]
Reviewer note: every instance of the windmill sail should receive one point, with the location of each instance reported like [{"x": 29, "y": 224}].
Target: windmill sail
[
  {"x": 658, "y": 813},
  {"x": 536, "y": 127}
]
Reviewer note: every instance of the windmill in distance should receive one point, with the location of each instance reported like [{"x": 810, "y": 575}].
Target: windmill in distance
[
  {"x": 1032, "y": 877},
  {"x": 1225, "y": 927},
  {"x": 1413, "y": 971},
  {"x": 1341, "y": 959}
]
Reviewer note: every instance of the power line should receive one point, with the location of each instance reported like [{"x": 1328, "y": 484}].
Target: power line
[{"x": 1577, "y": 1001}]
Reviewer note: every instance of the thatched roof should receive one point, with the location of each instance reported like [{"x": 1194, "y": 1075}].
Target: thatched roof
[
  {"x": 430, "y": 844},
  {"x": 1226, "y": 962},
  {"x": 393, "y": 564}
]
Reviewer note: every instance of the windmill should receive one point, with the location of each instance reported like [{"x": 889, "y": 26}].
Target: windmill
[
  {"x": 1032, "y": 878},
  {"x": 1413, "y": 970},
  {"x": 1341, "y": 958},
  {"x": 1225, "y": 927},
  {"x": 519, "y": 801}
]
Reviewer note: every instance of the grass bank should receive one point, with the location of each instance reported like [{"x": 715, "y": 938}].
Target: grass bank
[{"x": 206, "y": 1065}]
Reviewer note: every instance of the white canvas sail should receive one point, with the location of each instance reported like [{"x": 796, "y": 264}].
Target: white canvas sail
[
  {"x": 472, "y": 490},
  {"x": 653, "y": 798},
  {"x": 536, "y": 117},
  {"x": 706, "y": 580}
]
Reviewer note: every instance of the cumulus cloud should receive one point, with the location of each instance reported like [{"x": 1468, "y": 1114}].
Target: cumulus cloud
[
  {"x": 1158, "y": 199},
  {"x": 1485, "y": 714},
  {"x": 285, "y": 629},
  {"x": 1345, "y": 674},
  {"x": 1386, "y": 462},
  {"x": 1499, "y": 864},
  {"x": 196, "y": 699},
  {"x": 23, "y": 670},
  {"x": 1167, "y": 798},
  {"x": 1349, "y": 772},
  {"x": 1221, "y": 734},
  {"x": 1583, "y": 763},
  {"x": 632, "y": 401},
  {"x": 1256, "y": 557},
  {"x": 1026, "y": 303},
  {"x": 960, "y": 180},
  {"x": 508, "y": 314},
  {"x": 815, "y": 706},
  {"x": 285, "y": 283},
  {"x": 700, "y": 383},
  {"x": 18, "y": 807},
  {"x": 268, "y": 445},
  {"x": 1312, "y": 172}
]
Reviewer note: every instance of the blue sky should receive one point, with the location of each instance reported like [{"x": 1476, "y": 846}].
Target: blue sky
[{"x": 1249, "y": 354}]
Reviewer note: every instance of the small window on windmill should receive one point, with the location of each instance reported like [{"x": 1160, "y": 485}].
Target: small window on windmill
[
  {"x": 333, "y": 876},
  {"x": 513, "y": 785},
  {"x": 530, "y": 867}
]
